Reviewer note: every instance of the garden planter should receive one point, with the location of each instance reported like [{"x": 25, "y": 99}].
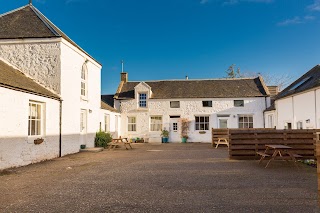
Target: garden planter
[
  {"x": 83, "y": 146},
  {"x": 38, "y": 141},
  {"x": 165, "y": 140},
  {"x": 184, "y": 140}
]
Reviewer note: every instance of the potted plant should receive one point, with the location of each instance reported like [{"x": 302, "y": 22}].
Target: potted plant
[
  {"x": 184, "y": 129},
  {"x": 165, "y": 136}
]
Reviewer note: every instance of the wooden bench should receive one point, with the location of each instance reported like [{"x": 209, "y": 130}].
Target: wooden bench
[
  {"x": 222, "y": 141},
  {"x": 263, "y": 155},
  {"x": 119, "y": 141}
]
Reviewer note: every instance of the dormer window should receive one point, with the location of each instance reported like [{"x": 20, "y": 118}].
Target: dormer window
[
  {"x": 84, "y": 79},
  {"x": 143, "y": 100}
]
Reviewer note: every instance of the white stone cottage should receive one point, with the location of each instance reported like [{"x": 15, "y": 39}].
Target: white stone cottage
[
  {"x": 40, "y": 50},
  {"x": 148, "y": 107},
  {"x": 298, "y": 105}
]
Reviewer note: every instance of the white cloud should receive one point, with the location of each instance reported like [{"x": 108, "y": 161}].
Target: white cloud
[
  {"x": 315, "y": 6},
  {"x": 296, "y": 20},
  {"x": 204, "y": 1},
  {"x": 234, "y": 2}
]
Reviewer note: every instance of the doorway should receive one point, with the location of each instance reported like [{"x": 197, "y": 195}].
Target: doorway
[
  {"x": 83, "y": 127},
  {"x": 174, "y": 130}
]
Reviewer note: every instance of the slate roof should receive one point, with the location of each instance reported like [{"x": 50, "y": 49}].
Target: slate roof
[
  {"x": 29, "y": 22},
  {"x": 107, "y": 103},
  {"x": 308, "y": 81},
  {"x": 214, "y": 88},
  {"x": 14, "y": 79}
]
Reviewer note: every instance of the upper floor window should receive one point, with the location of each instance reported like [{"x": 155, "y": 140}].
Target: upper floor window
[
  {"x": 35, "y": 121},
  {"x": 174, "y": 104},
  {"x": 202, "y": 122},
  {"x": 84, "y": 80},
  {"x": 245, "y": 121},
  {"x": 143, "y": 100},
  {"x": 207, "y": 103},
  {"x": 238, "y": 103},
  {"x": 155, "y": 123},
  {"x": 132, "y": 124}
]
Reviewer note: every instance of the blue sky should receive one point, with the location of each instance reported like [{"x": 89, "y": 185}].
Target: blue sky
[{"x": 169, "y": 39}]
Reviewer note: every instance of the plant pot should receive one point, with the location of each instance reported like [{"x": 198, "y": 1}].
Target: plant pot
[
  {"x": 38, "y": 141},
  {"x": 184, "y": 140},
  {"x": 165, "y": 140},
  {"x": 83, "y": 146}
]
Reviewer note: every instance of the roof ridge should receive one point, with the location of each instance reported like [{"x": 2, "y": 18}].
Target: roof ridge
[
  {"x": 15, "y": 10},
  {"x": 211, "y": 79}
]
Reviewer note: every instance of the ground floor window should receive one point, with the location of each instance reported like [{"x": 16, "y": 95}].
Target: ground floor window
[
  {"x": 202, "y": 122},
  {"x": 35, "y": 120},
  {"x": 270, "y": 121},
  {"x": 107, "y": 123},
  {"x": 132, "y": 125},
  {"x": 299, "y": 125},
  {"x": 245, "y": 121},
  {"x": 155, "y": 123}
]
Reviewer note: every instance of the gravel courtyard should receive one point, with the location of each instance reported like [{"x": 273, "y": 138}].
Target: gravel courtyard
[{"x": 158, "y": 178}]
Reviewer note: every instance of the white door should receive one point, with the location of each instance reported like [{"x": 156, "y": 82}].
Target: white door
[
  {"x": 223, "y": 123},
  {"x": 174, "y": 135},
  {"x": 83, "y": 126}
]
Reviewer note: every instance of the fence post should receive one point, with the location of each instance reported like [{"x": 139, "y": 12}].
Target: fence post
[{"x": 318, "y": 162}]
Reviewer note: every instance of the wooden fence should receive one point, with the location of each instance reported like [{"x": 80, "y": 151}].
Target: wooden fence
[{"x": 244, "y": 143}]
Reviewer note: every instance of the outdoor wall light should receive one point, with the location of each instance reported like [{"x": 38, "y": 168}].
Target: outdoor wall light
[
  {"x": 90, "y": 110},
  {"x": 308, "y": 121}
]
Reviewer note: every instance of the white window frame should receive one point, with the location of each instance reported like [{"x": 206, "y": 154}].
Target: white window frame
[
  {"x": 209, "y": 103},
  {"x": 132, "y": 124},
  {"x": 299, "y": 125},
  {"x": 84, "y": 81},
  {"x": 106, "y": 122},
  {"x": 242, "y": 124},
  {"x": 39, "y": 122},
  {"x": 174, "y": 104},
  {"x": 202, "y": 125},
  {"x": 83, "y": 121},
  {"x": 271, "y": 121},
  {"x": 155, "y": 123},
  {"x": 143, "y": 96},
  {"x": 286, "y": 124}
]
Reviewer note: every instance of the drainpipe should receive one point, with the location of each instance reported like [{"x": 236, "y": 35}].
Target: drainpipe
[
  {"x": 315, "y": 108},
  {"x": 60, "y": 129},
  {"x": 264, "y": 119},
  {"x": 293, "y": 117}
]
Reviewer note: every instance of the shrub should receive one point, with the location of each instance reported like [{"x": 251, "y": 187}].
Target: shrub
[{"x": 102, "y": 139}]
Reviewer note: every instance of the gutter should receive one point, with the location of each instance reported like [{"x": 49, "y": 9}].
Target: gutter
[{"x": 60, "y": 130}]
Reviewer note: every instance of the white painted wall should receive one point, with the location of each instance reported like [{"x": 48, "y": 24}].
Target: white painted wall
[
  {"x": 300, "y": 107},
  {"x": 16, "y": 148},
  {"x": 71, "y": 65},
  {"x": 115, "y": 132},
  {"x": 189, "y": 108}
]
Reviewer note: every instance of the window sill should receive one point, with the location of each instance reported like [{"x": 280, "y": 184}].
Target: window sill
[
  {"x": 142, "y": 109},
  {"x": 82, "y": 98}
]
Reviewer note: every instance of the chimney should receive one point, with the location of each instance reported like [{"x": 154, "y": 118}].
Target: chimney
[
  {"x": 187, "y": 78},
  {"x": 124, "y": 77}
]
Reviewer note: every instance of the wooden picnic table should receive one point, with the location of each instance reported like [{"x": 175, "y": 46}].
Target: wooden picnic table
[
  {"x": 119, "y": 141},
  {"x": 281, "y": 152}
]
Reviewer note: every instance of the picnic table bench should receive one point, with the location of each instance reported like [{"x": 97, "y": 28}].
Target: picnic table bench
[
  {"x": 280, "y": 152},
  {"x": 119, "y": 141}
]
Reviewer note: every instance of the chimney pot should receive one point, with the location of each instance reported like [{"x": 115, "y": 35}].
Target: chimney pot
[{"x": 187, "y": 78}]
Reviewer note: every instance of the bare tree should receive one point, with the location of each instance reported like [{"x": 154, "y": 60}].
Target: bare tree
[{"x": 233, "y": 74}]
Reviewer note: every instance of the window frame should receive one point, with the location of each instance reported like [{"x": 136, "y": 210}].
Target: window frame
[
  {"x": 143, "y": 103},
  {"x": 237, "y": 101},
  {"x": 83, "y": 121},
  {"x": 84, "y": 81},
  {"x": 175, "y": 102},
  {"x": 38, "y": 122},
  {"x": 299, "y": 125},
  {"x": 202, "y": 125},
  {"x": 156, "y": 126},
  {"x": 106, "y": 122},
  {"x": 248, "y": 122},
  {"x": 131, "y": 124},
  {"x": 209, "y": 103}
]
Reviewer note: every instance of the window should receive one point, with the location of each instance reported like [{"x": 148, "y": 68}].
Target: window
[
  {"x": 207, "y": 103},
  {"x": 107, "y": 123},
  {"x": 270, "y": 121},
  {"x": 175, "y": 127},
  {"x": 299, "y": 125},
  {"x": 155, "y": 123},
  {"x": 174, "y": 104},
  {"x": 202, "y": 122},
  {"x": 245, "y": 121},
  {"x": 132, "y": 126},
  {"x": 84, "y": 78},
  {"x": 238, "y": 103},
  {"x": 143, "y": 100},
  {"x": 35, "y": 120},
  {"x": 83, "y": 121}
]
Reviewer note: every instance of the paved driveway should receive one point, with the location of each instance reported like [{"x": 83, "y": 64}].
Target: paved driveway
[{"x": 158, "y": 178}]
